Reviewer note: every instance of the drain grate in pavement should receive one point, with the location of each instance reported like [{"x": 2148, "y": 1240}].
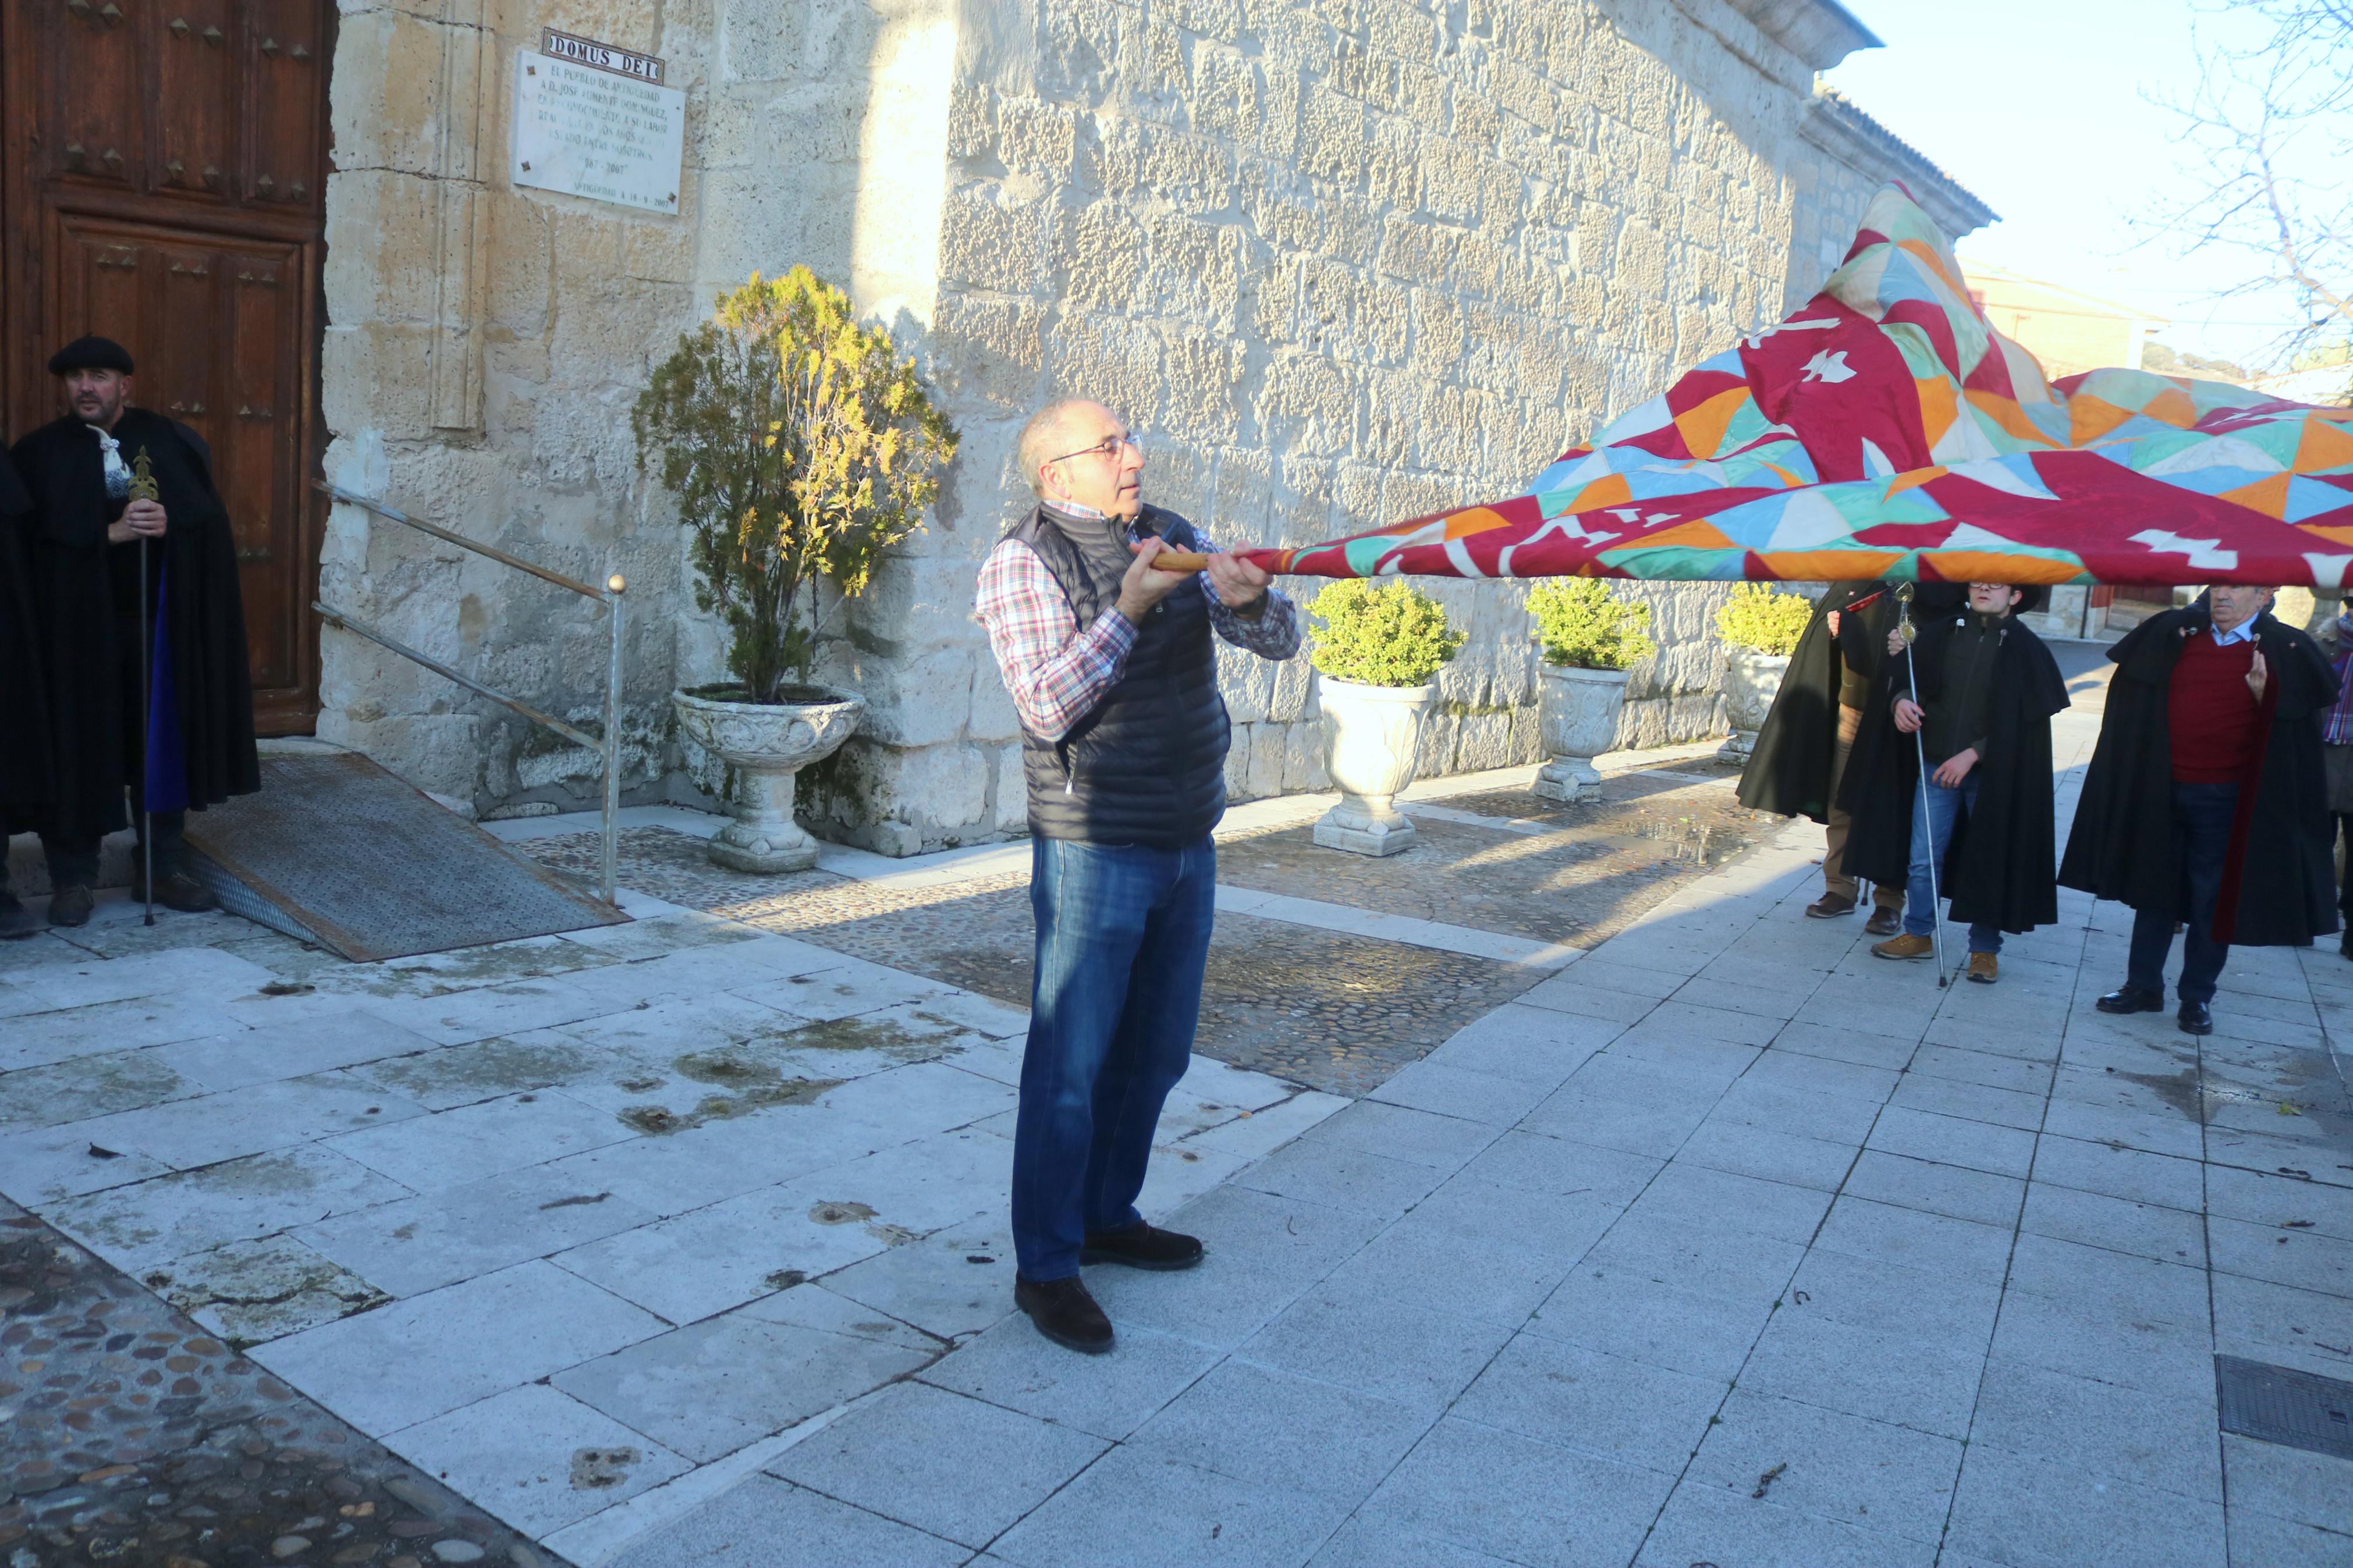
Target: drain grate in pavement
[{"x": 2281, "y": 1404}]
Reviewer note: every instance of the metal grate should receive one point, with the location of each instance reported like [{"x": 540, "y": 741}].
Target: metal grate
[
  {"x": 340, "y": 852},
  {"x": 2281, "y": 1404}
]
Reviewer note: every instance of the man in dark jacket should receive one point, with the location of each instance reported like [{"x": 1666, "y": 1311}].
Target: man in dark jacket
[
  {"x": 1986, "y": 690},
  {"x": 2205, "y": 803},
  {"x": 1111, "y": 665},
  {"x": 26, "y": 780},
  {"x": 1803, "y": 746},
  {"x": 92, "y": 531}
]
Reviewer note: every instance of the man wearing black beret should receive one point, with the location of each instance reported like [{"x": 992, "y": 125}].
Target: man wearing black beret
[{"x": 115, "y": 488}]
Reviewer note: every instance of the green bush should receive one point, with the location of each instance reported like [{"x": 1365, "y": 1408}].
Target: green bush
[
  {"x": 1580, "y": 622},
  {"x": 1757, "y": 617},
  {"x": 801, "y": 446},
  {"x": 1392, "y": 635}
]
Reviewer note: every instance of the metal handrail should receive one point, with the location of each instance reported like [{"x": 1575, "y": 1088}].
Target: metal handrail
[{"x": 608, "y": 748}]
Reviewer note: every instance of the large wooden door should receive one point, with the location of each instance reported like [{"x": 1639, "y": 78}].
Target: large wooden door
[{"x": 164, "y": 186}]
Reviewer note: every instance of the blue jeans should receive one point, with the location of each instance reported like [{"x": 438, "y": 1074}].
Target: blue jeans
[
  {"x": 1123, "y": 943},
  {"x": 2201, "y": 832},
  {"x": 1934, "y": 811}
]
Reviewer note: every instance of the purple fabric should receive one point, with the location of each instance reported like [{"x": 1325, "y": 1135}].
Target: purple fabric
[
  {"x": 2338, "y": 730},
  {"x": 164, "y": 786}
]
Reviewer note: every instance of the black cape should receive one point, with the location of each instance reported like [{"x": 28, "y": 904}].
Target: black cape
[
  {"x": 2000, "y": 867},
  {"x": 2279, "y": 885},
  {"x": 85, "y": 598},
  {"x": 1788, "y": 773},
  {"x": 26, "y": 779}
]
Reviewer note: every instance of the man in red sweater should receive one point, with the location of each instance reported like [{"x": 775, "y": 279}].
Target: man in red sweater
[{"x": 2205, "y": 801}]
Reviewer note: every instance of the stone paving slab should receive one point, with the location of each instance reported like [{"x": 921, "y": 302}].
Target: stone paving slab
[{"x": 582, "y": 1227}]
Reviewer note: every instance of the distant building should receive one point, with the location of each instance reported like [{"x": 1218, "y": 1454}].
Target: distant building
[{"x": 2069, "y": 330}]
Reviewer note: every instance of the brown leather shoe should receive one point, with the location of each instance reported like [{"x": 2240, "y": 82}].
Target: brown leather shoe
[
  {"x": 1883, "y": 921},
  {"x": 71, "y": 905},
  {"x": 1984, "y": 968},
  {"x": 1065, "y": 1313},
  {"x": 1829, "y": 906},
  {"x": 1904, "y": 947},
  {"x": 1142, "y": 1247}
]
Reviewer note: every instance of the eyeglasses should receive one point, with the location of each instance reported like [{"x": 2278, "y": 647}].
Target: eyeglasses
[{"x": 1107, "y": 447}]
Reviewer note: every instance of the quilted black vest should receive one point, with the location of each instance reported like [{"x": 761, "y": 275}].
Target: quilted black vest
[{"x": 1148, "y": 765}]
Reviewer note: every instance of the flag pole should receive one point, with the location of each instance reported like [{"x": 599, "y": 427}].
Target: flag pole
[{"x": 1907, "y": 631}]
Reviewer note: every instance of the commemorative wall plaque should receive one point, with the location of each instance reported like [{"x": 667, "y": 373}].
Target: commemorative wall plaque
[{"x": 593, "y": 119}]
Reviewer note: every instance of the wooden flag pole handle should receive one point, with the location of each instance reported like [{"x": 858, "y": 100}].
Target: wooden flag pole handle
[{"x": 1180, "y": 561}]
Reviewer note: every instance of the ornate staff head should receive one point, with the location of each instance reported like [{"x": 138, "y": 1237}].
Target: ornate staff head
[
  {"x": 142, "y": 479},
  {"x": 1904, "y": 626}
]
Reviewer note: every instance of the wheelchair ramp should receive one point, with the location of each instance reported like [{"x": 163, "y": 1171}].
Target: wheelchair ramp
[{"x": 336, "y": 850}]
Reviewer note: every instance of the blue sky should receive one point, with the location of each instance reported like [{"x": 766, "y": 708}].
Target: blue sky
[{"x": 2040, "y": 107}]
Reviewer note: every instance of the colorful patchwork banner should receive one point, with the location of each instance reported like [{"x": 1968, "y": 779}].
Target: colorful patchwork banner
[{"x": 1887, "y": 431}]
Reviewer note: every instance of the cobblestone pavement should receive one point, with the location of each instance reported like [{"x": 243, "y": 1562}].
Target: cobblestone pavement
[
  {"x": 1573, "y": 874},
  {"x": 1333, "y": 1010},
  {"x": 136, "y": 1437}
]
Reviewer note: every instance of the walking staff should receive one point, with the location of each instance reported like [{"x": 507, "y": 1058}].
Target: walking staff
[
  {"x": 142, "y": 487},
  {"x": 1910, "y": 634}
]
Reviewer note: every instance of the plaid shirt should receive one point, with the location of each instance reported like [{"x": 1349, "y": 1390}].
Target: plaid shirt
[
  {"x": 1056, "y": 671},
  {"x": 2338, "y": 730}
]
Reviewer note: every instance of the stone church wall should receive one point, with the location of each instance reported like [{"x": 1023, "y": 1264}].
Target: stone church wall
[{"x": 1341, "y": 262}]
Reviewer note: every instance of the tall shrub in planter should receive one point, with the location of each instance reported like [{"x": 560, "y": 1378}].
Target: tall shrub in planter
[
  {"x": 1590, "y": 638},
  {"x": 1762, "y": 627},
  {"x": 801, "y": 448},
  {"x": 1377, "y": 648}
]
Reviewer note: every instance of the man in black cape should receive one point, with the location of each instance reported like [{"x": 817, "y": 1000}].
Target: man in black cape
[
  {"x": 1802, "y": 748},
  {"x": 86, "y": 548},
  {"x": 1988, "y": 688},
  {"x": 2206, "y": 802},
  {"x": 24, "y": 768}
]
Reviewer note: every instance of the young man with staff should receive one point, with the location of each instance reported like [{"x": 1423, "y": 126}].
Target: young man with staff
[
  {"x": 1803, "y": 748},
  {"x": 1951, "y": 783}
]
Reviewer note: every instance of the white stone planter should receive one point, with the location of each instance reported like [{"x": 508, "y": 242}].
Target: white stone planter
[
  {"x": 1751, "y": 679},
  {"x": 764, "y": 745},
  {"x": 1576, "y": 716},
  {"x": 1372, "y": 735}
]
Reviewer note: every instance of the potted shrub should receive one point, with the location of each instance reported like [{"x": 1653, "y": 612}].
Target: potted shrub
[
  {"x": 800, "y": 448},
  {"x": 1377, "y": 648},
  {"x": 1590, "y": 638},
  {"x": 1762, "y": 627}
]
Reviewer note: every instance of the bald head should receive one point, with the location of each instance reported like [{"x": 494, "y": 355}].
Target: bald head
[
  {"x": 1077, "y": 451},
  {"x": 1041, "y": 437}
]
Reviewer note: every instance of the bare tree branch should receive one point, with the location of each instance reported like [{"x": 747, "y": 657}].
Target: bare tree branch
[{"x": 2262, "y": 123}]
